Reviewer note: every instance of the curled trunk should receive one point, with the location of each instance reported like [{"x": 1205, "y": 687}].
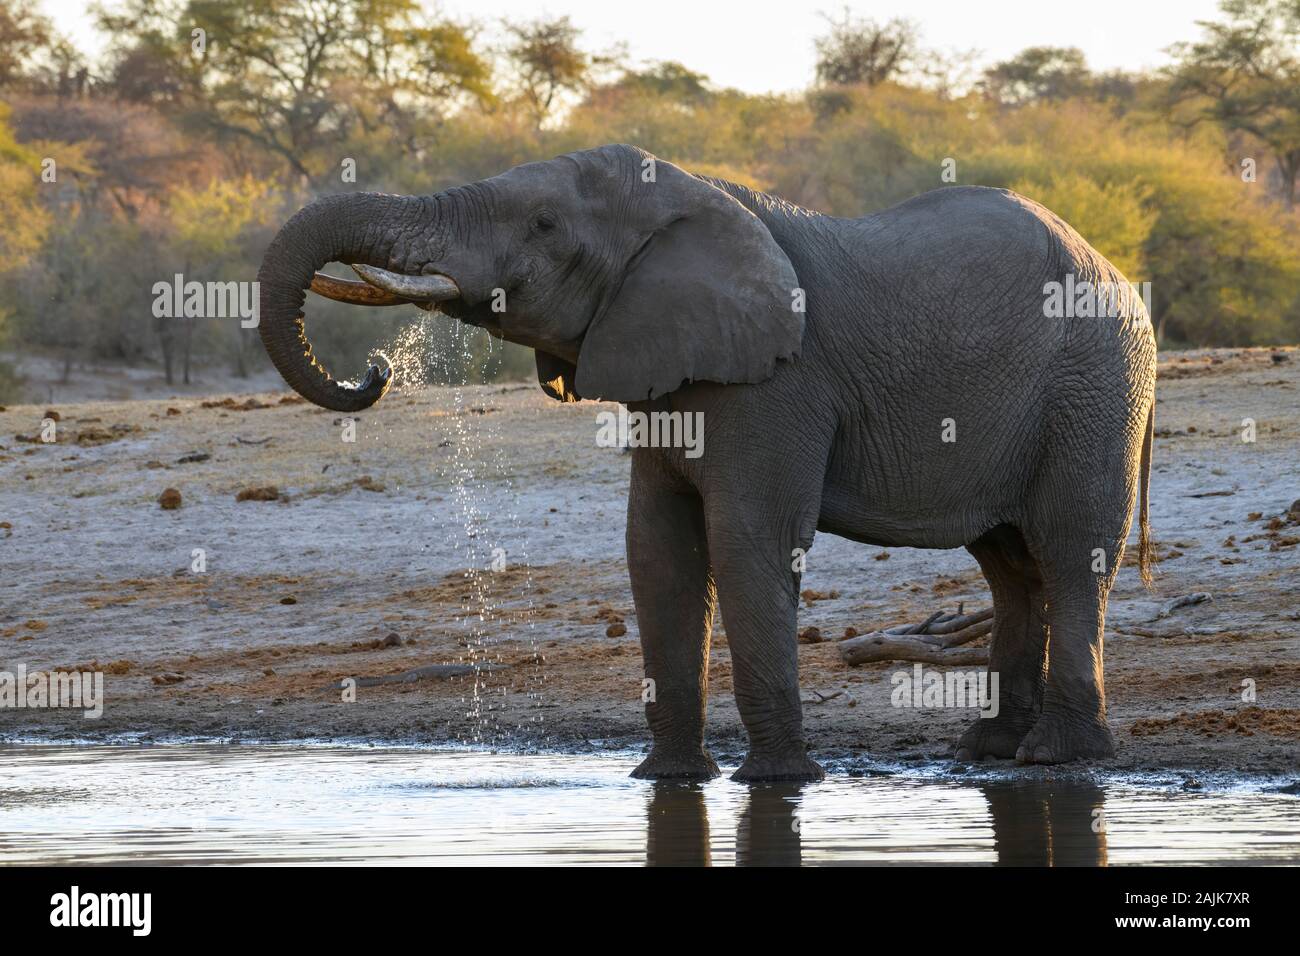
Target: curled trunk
[{"x": 365, "y": 228}]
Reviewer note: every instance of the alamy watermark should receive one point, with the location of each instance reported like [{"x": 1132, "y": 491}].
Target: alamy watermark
[
  {"x": 931, "y": 688},
  {"x": 70, "y": 690},
  {"x": 624, "y": 429},
  {"x": 75, "y": 908},
  {"x": 1093, "y": 300},
  {"x": 179, "y": 299}
]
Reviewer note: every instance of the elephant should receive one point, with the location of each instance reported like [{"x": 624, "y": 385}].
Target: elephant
[{"x": 895, "y": 379}]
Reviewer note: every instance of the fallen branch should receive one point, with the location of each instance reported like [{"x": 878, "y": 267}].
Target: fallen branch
[
  {"x": 823, "y": 698},
  {"x": 1187, "y": 600},
  {"x": 936, "y": 640}
]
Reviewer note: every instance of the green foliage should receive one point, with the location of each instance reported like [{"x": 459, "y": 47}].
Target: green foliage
[
  {"x": 1038, "y": 73},
  {"x": 1244, "y": 75},
  {"x": 24, "y": 218},
  {"x": 178, "y": 160}
]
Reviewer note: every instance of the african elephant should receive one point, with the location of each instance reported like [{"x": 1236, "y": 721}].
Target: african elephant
[{"x": 834, "y": 362}]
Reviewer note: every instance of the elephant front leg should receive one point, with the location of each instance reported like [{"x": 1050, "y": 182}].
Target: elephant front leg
[
  {"x": 675, "y": 600},
  {"x": 758, "y": 591}
]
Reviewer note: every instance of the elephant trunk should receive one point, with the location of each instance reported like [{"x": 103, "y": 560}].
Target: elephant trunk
[{"x": 365, "y": 228}]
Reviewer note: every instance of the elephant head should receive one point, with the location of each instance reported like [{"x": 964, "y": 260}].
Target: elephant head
[{"x": 627, "y": 276}]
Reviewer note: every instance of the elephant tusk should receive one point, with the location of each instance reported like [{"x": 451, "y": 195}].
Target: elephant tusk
[
  {"x": 427, "y": 288},
  {"x": 352, "y": 291}
]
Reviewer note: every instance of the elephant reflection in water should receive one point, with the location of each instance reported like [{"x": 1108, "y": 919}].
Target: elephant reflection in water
[
  {"x": 1035, "y": 823},
  {"x": 677, "y": 832},
  {"x": 1047, "y": 823}
]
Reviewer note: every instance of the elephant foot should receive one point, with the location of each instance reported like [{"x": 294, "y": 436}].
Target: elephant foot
[
  {"x": 794, "y": 766},
  {"x": 1056, "y": 739},
  {"x": 997, "y": 737},
  {"x": 672, "y": 765}
]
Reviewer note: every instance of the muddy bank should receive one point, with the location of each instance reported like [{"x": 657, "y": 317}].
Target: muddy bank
[{"x": 322, "y": 559}]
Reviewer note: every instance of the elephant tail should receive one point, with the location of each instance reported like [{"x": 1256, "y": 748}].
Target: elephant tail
[{"x": 1146, "y": 549}]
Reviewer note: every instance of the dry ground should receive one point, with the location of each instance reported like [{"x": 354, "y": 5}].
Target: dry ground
[{"x": 394, "y": 534}]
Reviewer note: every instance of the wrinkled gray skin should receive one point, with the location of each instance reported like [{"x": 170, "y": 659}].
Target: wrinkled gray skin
[{"x": 678, "y": 294}]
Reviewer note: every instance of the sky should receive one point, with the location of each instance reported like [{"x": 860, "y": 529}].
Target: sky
[{"x": 764, "y": 46}]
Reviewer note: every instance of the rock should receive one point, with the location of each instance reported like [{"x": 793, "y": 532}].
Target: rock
[
  {"x": 850, "y": 632},
  {"x": 392, "y": 640},
  {"x": 288, "y": 600},
  {"x": 53, "y": 415},
  {"x": 172, "y": 412},
  {"x": 267, "y": 493},
  {"x": 616, "y": 630},
  {"x": 170, "y": 499},
  {"x": 810, "y": 635},
  {"x": 193, "y": 457}
]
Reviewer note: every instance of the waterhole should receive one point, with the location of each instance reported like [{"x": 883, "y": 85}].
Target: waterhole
[{"x": 222, "y": 804}]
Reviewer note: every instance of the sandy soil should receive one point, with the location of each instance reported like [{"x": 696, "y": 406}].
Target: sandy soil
[{"x": 374, "y": 557}]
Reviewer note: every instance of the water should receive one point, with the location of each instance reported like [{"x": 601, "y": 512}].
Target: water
[
  {"x": 435, "y": 348},
  {"x": 315, "y": 804}
]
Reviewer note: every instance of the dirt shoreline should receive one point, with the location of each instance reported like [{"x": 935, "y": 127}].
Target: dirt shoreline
[{"x": 376, "y": 537}]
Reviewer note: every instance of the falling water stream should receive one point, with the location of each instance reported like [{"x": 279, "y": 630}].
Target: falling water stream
[{"x": 420, "y": 356}]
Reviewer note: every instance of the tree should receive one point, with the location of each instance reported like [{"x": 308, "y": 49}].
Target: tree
[
  {"x": 149, "y": 60},
  {"x": 292, "y": 78},
  {"x": 668, "y": 78},
  {"x": 866, "y": 52},
  {"x": 1038, "y": 73},
  {"x": 547, "y": 62},
  {"x": 23, "y": 33},
  {"x": 1244, "y": 74}
]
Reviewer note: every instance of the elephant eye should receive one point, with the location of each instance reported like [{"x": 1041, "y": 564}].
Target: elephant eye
[{"x": 543, "y": 222}]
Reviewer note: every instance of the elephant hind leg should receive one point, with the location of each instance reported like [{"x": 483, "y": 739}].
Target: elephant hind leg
[
  {"x": 1018, "y": 650},
  {"x": 1072, "y": 725},
  {"x": 1078, "y": 542}
]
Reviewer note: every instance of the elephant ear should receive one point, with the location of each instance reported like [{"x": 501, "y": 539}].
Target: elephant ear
[
  {"x": 707, "y": 296},
  {"x": 557, "y": 377}
]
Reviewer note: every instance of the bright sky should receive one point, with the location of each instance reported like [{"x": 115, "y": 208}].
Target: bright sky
[{"x": 766, "y": 45}]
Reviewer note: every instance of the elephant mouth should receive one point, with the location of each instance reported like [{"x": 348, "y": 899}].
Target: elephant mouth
[{"x": 381, "y": 288}]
